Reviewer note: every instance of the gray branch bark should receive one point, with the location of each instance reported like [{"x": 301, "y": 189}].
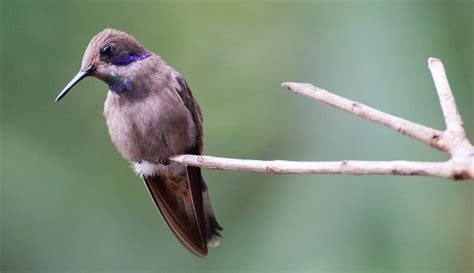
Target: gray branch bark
[{"x": 452, "y": 140}]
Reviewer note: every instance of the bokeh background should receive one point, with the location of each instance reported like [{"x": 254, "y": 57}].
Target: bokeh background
[{"x": 69, "y": 203}]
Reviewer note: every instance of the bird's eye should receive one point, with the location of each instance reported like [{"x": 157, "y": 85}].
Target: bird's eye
[{"x": 107, "y": 50}]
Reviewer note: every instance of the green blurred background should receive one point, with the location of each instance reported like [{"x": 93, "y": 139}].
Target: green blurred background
[{"x": 69, "y": 203}]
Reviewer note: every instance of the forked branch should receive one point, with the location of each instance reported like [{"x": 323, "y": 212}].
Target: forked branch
[{"x": 453, "y": 140}]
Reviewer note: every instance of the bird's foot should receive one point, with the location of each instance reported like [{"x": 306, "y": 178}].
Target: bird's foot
[{"x": 164, "y": 161}]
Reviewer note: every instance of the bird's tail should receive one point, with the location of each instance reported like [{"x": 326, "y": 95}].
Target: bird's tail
[{"x": 212, "y": 226}]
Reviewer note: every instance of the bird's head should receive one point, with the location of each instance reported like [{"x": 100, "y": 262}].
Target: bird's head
[{"x": 107, "y": 57}]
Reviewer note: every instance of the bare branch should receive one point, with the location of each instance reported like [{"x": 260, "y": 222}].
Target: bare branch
[
  {"x": 453, "y": 141},
  {"x": 451, "y": 114},
  {"x": 422, "y": 133},
  {"x": 458, "y": 146},
  {"x": 436, "y": 169}
]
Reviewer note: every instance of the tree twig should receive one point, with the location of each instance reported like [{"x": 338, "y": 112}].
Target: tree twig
[
  {"x": 453, "y": 140},
  {"x": 417, "y": 131},
  {"x": 355, "y": 167},
  {"x": 451, "y": 114}
]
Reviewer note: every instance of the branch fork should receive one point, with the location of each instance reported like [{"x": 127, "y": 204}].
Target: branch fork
[{"x": 452, "y": 140}]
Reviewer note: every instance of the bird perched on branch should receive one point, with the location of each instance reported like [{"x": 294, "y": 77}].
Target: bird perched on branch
[{"x": 151, "y": 115}]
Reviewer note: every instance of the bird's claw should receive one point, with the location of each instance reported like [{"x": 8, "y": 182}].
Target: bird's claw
[{"x": 164, "y": 161}]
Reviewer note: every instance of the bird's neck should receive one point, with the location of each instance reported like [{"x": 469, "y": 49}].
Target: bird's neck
[{"x": 136, "y": 80}]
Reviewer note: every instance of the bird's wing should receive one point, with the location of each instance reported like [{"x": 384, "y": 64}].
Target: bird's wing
[
  {"x": 197, "y": 184},
  {"x": 188, "y": 100},
  {"x": 179, "y": 200}
]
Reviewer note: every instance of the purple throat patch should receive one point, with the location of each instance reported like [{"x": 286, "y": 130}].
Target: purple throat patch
[{"x": 130, "y": 58}]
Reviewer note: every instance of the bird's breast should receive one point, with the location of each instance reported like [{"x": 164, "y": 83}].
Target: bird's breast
[{"x": 149, "y": 128}]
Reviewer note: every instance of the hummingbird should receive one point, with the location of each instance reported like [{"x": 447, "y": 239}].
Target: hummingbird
[{"x": 151, "y": 115}]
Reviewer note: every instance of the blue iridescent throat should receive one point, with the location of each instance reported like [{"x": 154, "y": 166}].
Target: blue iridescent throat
[
  {"x": 118, "y": 85},
  {"x": 130, "y": 58}
]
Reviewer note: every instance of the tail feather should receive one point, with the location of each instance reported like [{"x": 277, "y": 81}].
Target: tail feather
[
  {"x": 183, "y": 201},
  {"x": 175, "y": 204},
  {"x": 212, "y": 227}
]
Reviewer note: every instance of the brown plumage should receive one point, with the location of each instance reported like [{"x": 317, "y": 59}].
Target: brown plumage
[{"x": 152, "y": 115}]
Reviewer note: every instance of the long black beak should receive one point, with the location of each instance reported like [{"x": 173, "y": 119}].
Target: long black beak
[{"x": 79, "y": 76}]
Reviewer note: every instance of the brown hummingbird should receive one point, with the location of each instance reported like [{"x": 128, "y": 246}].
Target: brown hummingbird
[{"x": 152, "y": 115}]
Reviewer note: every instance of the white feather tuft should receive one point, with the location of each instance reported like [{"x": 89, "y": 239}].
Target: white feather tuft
[{"x": 145, "y": 168}]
